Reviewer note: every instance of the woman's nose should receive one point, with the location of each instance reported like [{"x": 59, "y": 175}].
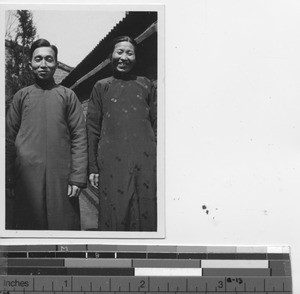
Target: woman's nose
[{"x": 123, "y": 56}]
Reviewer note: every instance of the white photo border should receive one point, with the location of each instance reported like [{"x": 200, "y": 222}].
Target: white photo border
[{"x": 160, "y": 233}]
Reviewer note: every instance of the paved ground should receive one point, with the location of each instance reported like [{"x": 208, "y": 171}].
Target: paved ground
[
  {"x": 88, "y": 201},
  {"x": 88, "y": 209}
]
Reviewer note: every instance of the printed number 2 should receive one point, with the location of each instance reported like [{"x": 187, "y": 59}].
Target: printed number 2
[{"x": 142, "y": 284}]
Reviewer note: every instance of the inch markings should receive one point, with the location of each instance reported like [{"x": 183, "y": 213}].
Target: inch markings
[
  {"x": 122, "y": 269},
  {"x": 76, "y": 284}
]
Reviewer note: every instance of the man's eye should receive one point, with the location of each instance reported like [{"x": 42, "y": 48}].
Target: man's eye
[
  {"x": 38, "y": 59},
  {"x": 49, "y": 59}
]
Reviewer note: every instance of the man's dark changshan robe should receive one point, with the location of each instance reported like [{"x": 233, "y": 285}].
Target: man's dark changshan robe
[{"x": 46, "y": 151}]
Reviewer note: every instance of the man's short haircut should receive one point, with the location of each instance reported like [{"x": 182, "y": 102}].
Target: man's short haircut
[{"x": 42, "y": 43}]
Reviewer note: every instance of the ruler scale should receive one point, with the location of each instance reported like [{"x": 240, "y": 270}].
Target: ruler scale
[{"x": 120, "y": 269}]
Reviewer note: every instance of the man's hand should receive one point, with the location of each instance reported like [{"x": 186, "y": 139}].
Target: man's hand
[
  {"x": 94, "y": 180},
  {"x": 73, "y": 191}
]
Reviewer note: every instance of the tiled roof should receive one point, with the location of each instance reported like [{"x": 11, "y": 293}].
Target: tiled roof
[
  {"x": 133, "y": 24},
  {"x": 65, "y": 67},
  {"x": 61, "y": 65}
]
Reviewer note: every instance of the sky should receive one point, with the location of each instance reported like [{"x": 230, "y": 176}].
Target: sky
[{"x": 75, "y": 32}]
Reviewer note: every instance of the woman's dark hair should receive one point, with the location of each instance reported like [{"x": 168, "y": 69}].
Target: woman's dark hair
[
  {"x": 123, "y": 39},
  {"x": 42, "y": 43}
]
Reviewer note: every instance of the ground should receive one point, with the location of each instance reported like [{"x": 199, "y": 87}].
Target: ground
[{"x": 89, "y": 209}]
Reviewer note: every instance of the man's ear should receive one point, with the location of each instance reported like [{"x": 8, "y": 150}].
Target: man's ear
[{"x": 30, "y": 66}]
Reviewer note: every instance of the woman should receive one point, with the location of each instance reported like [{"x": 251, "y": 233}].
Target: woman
[{"x": 121, "y": 125}]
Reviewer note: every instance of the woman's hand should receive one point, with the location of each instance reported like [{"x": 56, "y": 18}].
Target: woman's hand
[{"x": 94, "y": 180}]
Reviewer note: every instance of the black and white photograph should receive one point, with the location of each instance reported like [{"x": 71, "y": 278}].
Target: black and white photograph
[
  {"x": 130, "y": 127},
  {"x": 84, "y": 120}
]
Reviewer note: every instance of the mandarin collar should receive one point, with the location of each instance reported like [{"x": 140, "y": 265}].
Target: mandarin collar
[
  {"x": 45, "y": 85},
  {"x": 124, "y": 76}
]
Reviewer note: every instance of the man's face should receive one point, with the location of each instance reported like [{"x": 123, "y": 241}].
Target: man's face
[{"x": 43, "y": 63}]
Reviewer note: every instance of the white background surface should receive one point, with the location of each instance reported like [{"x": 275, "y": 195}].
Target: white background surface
[{"x": 232, "y": 125}]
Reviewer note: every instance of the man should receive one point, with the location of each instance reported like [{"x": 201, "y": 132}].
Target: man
[{"x": 46, "y": 149}]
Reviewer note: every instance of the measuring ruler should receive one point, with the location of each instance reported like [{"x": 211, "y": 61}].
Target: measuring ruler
[{"x": 120, "y": 269}]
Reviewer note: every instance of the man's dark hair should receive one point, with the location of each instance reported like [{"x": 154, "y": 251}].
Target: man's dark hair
[{"x": 42, "y": 43}]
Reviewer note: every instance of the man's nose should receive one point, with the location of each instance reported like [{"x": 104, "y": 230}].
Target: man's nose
[{"x": 43, "y": 63}]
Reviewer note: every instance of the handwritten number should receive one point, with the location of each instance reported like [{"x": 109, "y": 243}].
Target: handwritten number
[{"x": 237, "y": 280}]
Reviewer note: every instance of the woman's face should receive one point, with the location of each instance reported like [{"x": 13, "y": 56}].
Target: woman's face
[{"x": 123, "y": 57}]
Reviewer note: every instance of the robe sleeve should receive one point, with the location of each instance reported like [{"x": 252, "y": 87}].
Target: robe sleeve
[
  {"x": 76, "y": 123},
  {"x": 94, "y": 123},
  {"x": 153, "y": 107},
  {"x": 13, "y": 123}
]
